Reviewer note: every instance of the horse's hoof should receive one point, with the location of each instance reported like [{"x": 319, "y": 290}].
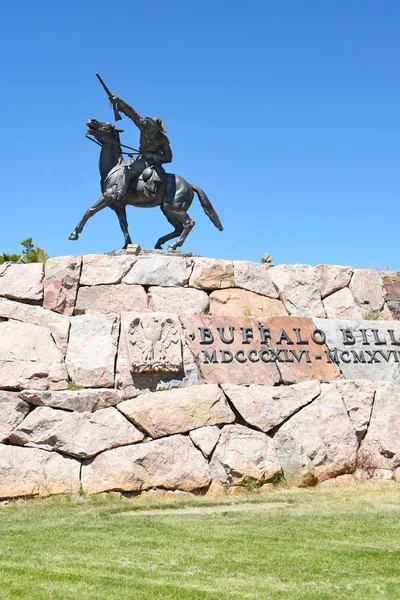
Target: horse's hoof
[
  {"x": 74, "y": 236},
  {"x": 171, "y": 247}
]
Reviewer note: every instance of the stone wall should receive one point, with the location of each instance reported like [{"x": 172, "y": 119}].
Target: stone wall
[{"x": 173, "y": 372}]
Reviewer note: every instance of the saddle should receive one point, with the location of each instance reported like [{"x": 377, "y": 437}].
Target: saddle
[{"x": 150, "y": 180}]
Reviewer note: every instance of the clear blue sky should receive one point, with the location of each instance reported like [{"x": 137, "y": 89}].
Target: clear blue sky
[{"x": 285, "y": 112}]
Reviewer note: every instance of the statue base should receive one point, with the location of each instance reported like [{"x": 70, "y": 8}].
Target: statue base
[{"x": 229, "y": 372}]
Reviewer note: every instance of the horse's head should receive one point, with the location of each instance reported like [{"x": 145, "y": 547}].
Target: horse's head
[{"x": 104, "y": 133}]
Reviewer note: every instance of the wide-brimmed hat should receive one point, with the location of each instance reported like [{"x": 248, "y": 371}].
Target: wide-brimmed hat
[{"x": 159, "y": 122}]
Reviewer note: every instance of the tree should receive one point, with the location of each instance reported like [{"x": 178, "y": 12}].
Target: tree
[
  {"x": 31, "y": 253},
  {"x": 27, "y": 246}
]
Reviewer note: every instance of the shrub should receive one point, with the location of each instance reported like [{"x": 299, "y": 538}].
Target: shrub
[{"x": 31, "y": 253}]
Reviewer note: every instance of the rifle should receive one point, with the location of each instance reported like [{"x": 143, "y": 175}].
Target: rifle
[{"x": 117, "y": 116}]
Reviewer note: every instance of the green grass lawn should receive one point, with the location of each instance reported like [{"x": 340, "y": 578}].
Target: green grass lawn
[{"x": 295, "y": 544}]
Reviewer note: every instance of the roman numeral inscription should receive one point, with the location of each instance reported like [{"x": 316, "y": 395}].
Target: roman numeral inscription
[{"x": 249, "y": 350}]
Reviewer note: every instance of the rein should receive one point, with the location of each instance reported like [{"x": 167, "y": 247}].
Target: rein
[{"x": 116, "y": 144}]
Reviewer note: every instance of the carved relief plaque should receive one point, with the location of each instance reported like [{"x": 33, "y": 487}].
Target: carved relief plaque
[{"x": 154, "y": 344}]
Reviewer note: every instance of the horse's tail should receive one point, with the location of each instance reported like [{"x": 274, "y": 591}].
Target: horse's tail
[{"x": 207, "y": 207}]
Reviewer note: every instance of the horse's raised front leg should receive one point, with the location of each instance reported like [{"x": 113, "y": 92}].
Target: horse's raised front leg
[
  {"x": 97, "y": 206},
  {"x": 123, "y": 221}
]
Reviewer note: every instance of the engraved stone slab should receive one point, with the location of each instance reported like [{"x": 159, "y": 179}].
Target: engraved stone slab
[
  {"x": 133, "y": 384},
  {"x": 299, "y": 351},
  {"x": 228, "y": 361},
  {"x": 154, "y": 343},
  {"x": 246, "y": 351},
  {"x": 258, "y": 351},
  {"x": 364, "y": 349}
]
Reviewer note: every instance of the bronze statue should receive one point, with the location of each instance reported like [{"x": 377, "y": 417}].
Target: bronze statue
[{"x": 142, "y": 181}]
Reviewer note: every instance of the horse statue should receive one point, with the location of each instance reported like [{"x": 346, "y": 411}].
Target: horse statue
[{"x": 174, "y": 195}]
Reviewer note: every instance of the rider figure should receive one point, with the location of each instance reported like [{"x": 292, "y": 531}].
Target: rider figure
[{"x": 154, "y": 148}]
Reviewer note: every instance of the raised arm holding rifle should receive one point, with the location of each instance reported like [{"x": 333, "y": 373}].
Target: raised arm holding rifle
[{"x": 153, "y": 141}]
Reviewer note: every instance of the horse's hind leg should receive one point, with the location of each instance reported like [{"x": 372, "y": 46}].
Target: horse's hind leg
[
  {"x": 188, "y": 225},
  {"x": 172, "y": 218},
  {"x": 183, "y": 225},
  {"x": 123, "y": 221},
  {"x": 97, "y": 206}
]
